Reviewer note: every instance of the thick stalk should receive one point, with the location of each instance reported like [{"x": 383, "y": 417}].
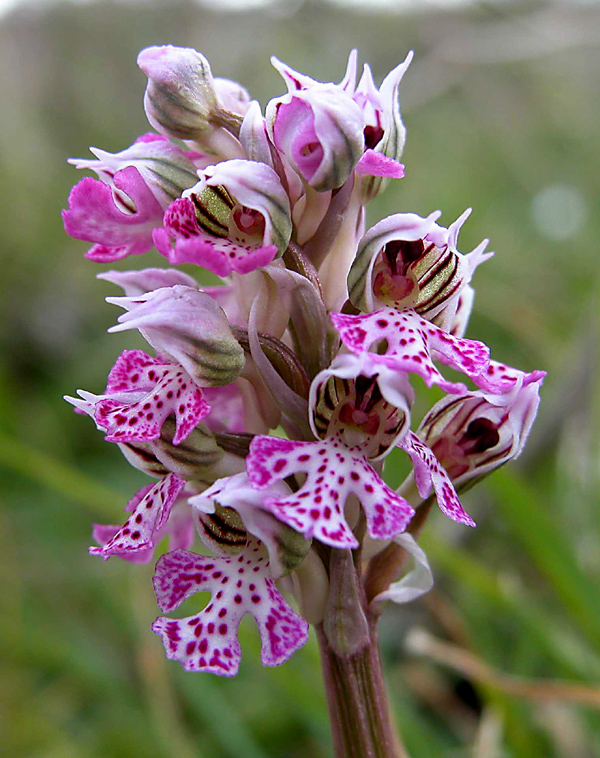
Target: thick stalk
[
  {"x": 359, "y": 714},
  {"x": 358, "y": 709}
]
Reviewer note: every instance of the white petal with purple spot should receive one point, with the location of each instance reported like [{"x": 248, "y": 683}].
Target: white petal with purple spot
[
  {"x": 410, "y": 343},
  {"x": 208, "y": 641},
  {"x": 150, "y": 516},
  {"x": 333, "y": 472},
  {"x": 429, "y": 471}
]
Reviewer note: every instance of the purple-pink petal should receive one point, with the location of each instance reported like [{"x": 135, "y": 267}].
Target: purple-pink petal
[
  {"x": 377, "y": 164},
  {"x": 140, "y": 282},
  {"x": 411, "y": 344},
  {"x": 333, "y": 473},
  {"x": 94, "y": 215},
  {"x": 150, "y": 515},
  {"x": 208, "y": 641},
  {"x": 227, "y": 409},
  {"x": 428, "y": 471}
]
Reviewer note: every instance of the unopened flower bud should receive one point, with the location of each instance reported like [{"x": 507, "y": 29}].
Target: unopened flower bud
[
  {"x": 232, "y": 95},
  {"x": 198, "y": 459},
  {"x": 180, "y": 99},
  {"x": 189, "y": 326}
]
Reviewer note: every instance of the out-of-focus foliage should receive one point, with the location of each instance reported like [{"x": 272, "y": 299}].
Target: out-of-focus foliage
[{"x": 502, "y": 110}]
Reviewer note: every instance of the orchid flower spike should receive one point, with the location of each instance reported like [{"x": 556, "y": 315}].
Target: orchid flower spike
[{"x": 267, "y": 412}]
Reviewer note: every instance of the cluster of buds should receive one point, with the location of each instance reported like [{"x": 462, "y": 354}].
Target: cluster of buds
[{"x": 271, "y": 402}]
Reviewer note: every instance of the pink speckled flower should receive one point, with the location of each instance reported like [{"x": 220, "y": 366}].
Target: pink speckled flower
[
  {"x": 141, "y": 393},
  {"x": 120, "y": 210},
  {"x": 406, "y": 261},
  {"x": 473, "y": 434}
]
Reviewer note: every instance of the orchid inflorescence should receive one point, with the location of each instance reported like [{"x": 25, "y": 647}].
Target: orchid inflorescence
[{"x": 271, "y": 402}]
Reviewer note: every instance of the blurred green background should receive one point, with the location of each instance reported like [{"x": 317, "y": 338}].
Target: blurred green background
[{"x": 502, "y": 109}]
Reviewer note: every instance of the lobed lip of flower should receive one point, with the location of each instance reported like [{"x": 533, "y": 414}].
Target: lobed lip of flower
[
  {"x": 97, "y": 215},
  {"x": 141, "y": 393},
  {"x": 251, "y": 185},
  {"x": 179, "y": 528},
  {"x": 502, "y": 384},
  {"x": 333, "y": 473},
  {"x": 208, "y": 640},
  {"x": 411, "y": 344},
  {"x": 429, "y": 473}
]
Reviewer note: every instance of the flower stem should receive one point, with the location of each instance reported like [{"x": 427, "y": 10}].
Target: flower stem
[{"x": 359, "y": 714}]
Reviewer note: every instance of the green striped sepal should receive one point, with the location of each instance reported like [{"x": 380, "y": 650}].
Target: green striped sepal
[
  {"x": 244, "y": 208},
  {"x": 348, "y": 398},
  {"x": 406, "y": 261},
  {"x": 231, "y": 510},
  {"x": 189, "y": 326}
]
